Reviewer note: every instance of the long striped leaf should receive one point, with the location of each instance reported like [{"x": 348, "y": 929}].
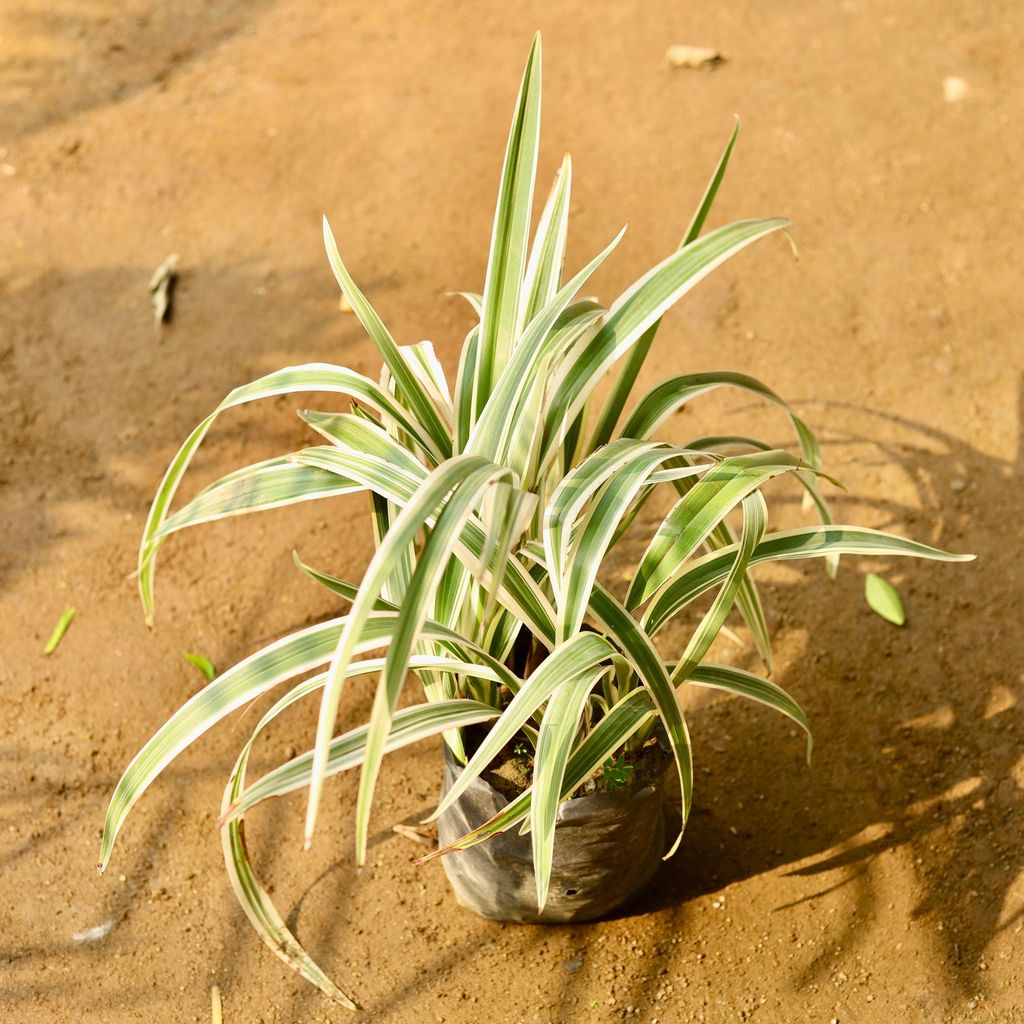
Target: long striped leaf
[
  {"x": 735, "y": 680},
  {"x": 416, "y": 514},
  {"x": 558, "y": 729},
  {"x": 469, "y": 483},
  {"x": 576, "y": 657},
  {"x": 617, "y": 397},
  {"x": 671, "y": 395},
  {"x": 640, "y": 306},
  {"x": 504, "y": 413},
  {"x": 259, "y": 908},
  {"x": 697, "y": 513},
  {"x": 419, "y": 400},
  {"x": 292, "y": 379},
  {"x": 411, "y": 724},
  {"x": 576, "y": 488},
  {"x": 510, "y": 234},
  {"x": 640, "y": 652},
  {"x": 755, "y": 518},
  {"x": 598, "y": 529},
  {"x": 284, "y": 659},
  {"x": 273, "y": 483},
  {"x": 805, "y": 542},
  {"x": 544, "y": 267}
]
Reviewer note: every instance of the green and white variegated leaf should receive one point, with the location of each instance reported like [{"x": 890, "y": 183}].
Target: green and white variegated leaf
[
  {"x": 474, "y": 299},
  {"x": 630, "y": 714},
  {"x": 671, "y": 395},
  {"x": 619, "y": 394},
  {"x": 558, "y": 729},
  {"x": 510, "y": 235},
  {"x": 467, "y": 648},
  {"x": 640, "y": 306},
  {"x": 411, "y": 725},
  {"x": 576, "y": 488},
  {"x": 755, "y": 519},
  {"x": 504, "y": 414},
  {"x": 707, "y": 200},
  {"x": 259, "y": 908},
  {"x": 577, "y": 657},
  {"x": 289, "y": 657},
  {"x": 639, "y": 650},
  {"x": 805, "y": 542},
  {"x": 364, "y": 437},
  {"x": 292, "y": 379},
  {"x": 698, "y": 512},
  {"x": 597, "y": 530},
  {"x": 280, "y": 661},
  {"x": 416, "y": 395},
  {"x": 273, "y": 483},
  {"x": 423, "y": 361},
  {"x": 464, "y": 384},
  {"x": 544, "y": 268},
  {"x": 735, "y": 680},
  {"x": 418, "y": 512},
  {"x": 467, "y": 477}
]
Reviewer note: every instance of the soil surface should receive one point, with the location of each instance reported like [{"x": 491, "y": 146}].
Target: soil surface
[{"x": 886, "y": 882}]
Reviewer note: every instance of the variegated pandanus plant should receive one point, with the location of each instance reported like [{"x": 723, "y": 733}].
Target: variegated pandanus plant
[{"x": 495, "y": 504}]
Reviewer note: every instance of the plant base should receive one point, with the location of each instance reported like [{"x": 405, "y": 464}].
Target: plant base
[{"x": 607, "y": 848}]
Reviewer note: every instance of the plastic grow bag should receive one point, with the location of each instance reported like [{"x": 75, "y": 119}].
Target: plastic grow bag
[{"x": 607, "y": 847}]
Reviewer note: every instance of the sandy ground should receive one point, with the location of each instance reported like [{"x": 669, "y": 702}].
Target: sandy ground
[{"x": 883, "y": 884}]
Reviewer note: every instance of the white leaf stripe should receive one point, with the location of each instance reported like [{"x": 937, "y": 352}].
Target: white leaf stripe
[
  {"x": 544, "y": 267},
  {"x": 264, "y": 485},
  {"x": 755, "y": 518},
  {"x": 698, "y": 512},
  {"x": 348, "y": 750},
  {"x": 284, "y": 659}
]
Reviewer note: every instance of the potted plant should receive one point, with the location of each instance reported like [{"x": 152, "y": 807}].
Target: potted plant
[{"x": 495, "y": 505}]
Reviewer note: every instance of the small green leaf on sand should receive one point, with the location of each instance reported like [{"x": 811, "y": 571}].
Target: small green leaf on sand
[
  {"x": 884, "y": 599},
  {"x": 203, "y": 664},
  {"x": 59, "y": 630}
]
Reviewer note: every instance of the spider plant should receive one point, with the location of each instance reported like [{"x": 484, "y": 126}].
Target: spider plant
[{"x": 494, "y": 506}]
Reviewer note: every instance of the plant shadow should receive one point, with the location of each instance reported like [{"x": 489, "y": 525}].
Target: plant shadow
[
  {"x": 917, "y": 731},
  {"x": 63, "y": 61}
]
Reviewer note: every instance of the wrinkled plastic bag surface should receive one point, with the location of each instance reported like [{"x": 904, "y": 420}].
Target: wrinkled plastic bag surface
[{"x": 607, "y": 848}]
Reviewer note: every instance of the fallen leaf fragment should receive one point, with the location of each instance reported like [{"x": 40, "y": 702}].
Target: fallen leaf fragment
[
  {"x": 95, "y": 934},
  {"x": 161, "y": 286},
  {"x": 216, "y": 1006},
  {"x": 423, "y": 836},
  {"x": 884, "y": 599},
  {"x": 59, "y": 630},
  {"x": 700, "y": 58},
  {"x": 203, "y": 664}
]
